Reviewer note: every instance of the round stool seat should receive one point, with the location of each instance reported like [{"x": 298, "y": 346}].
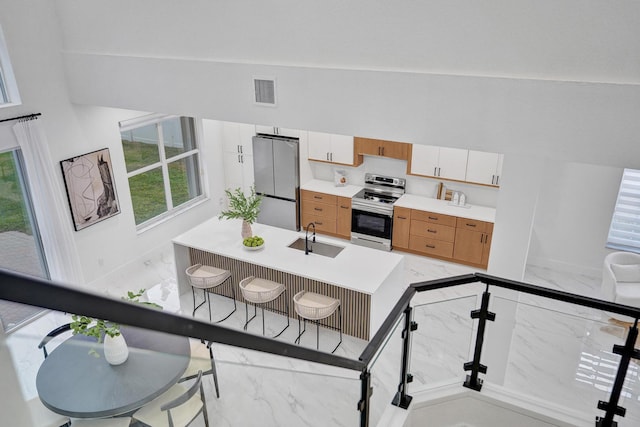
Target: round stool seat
[
  {"x": 312, "y": 306},
  {"x": 206, "y": 276},
  {"x": 259, "y": 291}
]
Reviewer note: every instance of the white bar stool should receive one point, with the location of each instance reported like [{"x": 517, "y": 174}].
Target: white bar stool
[
  {"x": 259, "y": 291},
  {"x": 315, "y": 307},
  {"x": 206, "y": 277}
]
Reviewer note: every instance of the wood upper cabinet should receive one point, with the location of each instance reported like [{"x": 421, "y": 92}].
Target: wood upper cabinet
[
  {"x": 484, "y": 168},
  {"x": 343, "y": 217},
  {"x": 473, "y": 241},
  {"x": 340, "y": 149},
  {"x": 438, "y": 162},
  {"x": 401, "y": 226},
  {"x": 379, "y": 147}
]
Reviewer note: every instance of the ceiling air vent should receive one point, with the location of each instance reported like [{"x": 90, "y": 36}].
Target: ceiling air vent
[{"x": 265, "y": 91}]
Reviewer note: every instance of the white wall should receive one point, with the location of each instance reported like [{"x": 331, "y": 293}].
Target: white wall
[
  {"x": 33, "y": 41},
  {"x": 381, "y": 71}
]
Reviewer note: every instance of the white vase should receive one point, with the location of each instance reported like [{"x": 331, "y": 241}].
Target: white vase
[
  {"x": 115, "y": 349},
  {"x": 246, "y": 230}
]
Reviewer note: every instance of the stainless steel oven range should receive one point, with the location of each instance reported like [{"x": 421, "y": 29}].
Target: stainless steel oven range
[{"x": 372, "y": 211}]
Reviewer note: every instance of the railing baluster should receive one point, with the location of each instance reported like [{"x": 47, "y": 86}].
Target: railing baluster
[
  {"x": 627, "y": 352},
  {"x": 472, "y": 381},
  {"x": 365, "y": 392},
  {"x": 402, "y": 399}
]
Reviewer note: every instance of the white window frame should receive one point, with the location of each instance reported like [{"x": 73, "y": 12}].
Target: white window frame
[
  {"x": 163, "y": 163},
  {"x": 9, "y": 95},
  {"x": 624, "y": 232}
]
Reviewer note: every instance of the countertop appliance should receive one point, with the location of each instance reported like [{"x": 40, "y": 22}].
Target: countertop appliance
[
  {"x": 372, "y": 210},
  {"x": 277, "y": 179}
]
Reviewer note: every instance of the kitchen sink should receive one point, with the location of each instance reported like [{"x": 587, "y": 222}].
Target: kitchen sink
[{"x": 318, "y": 248}]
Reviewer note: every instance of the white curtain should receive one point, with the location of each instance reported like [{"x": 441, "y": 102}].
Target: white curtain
[{"x": 51, "y": 209}]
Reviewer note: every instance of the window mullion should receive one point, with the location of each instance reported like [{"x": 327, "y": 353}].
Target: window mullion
[{"x": 165, "y": 168}]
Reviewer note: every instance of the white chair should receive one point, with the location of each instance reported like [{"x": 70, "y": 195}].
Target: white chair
[
  {"x": 315, "y": 307},
  {"x": 621, "y": 280},
  {"x": 41, "y": 416},
  {"x": 177, "y": 407},
  {"x": 206, "y": 277},
  {"x": 260, "y": 292},
  {"x": 102, "y": 422},
  {"x": 201, "y": 361}
]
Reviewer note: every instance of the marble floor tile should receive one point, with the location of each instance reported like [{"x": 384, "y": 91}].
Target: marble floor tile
[{"x": 556, "y": 352}]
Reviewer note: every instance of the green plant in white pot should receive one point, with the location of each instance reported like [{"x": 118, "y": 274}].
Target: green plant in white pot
[
  {"x": 115, "y": 346},
  {"x": 243, "y": 207}
]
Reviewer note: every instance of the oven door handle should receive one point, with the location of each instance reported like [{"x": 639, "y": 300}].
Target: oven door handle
[{"x": 355, "y": 207}]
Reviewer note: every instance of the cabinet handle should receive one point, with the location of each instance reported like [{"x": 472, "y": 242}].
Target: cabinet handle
[
  {"x": 439, "y": 172},
  {"x": 344, "y": 207},
  {"x": 242, "y": 158},
  {"x": 432, "y": 231},
  {"x": 383, "y": 151},
  {"x": 401, "y": 217},
  {"x": 239, "y": 159},
  {"x": 470, "y": 225},
  {"x": 317, "y": 209},
  {"x": 482, "y": 238},
  {"x": 497, "y": 179},
  {"x": 241, "y": 152},
  {"x": 317, "y": 197},
  {"x": 432, "y": 218},
  {"x": 331, "y": 156},
  {"x": 318, "y": 223},
  {"x": 435, "y": 171},
  {"x": 493, "y": 179},
  {"x": 430, "y": 246}
]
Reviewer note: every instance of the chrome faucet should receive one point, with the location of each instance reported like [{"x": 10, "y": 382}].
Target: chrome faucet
[{"x": 307, "y": 248}]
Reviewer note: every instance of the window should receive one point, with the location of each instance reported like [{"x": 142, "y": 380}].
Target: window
[
  {"x": 624, "y": 233},
  {"x": 20, "y": 246},
  {"x": 162, "y": 160}
]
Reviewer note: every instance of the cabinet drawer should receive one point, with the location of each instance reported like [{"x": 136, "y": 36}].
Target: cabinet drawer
[
  {"x": 323, "y": 225},
  {"x": 322, "y": 210},
  {"x": 474, "y": 225},
  {"x": 432, "y": 231},
  {"x": 434, "y": 218},
  {"x": 431, "y": 246},
  {"x": 319, "y": 197}
]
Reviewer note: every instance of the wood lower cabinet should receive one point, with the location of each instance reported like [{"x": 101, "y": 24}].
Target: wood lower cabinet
[
  {"x": 329, "y": 213},
  {"x": 446, "y": 237},
  {"x": 380, "y": 147},
  {"x": 473, "y": 241},
  {"x": 401, "y": 226},
  {"x": 343, "y": 217}
]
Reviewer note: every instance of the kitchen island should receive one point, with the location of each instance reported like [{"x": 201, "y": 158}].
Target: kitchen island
[{"x": 368, "y": 282}]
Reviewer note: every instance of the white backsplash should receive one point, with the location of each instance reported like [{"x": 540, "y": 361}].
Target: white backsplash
[{"x": 427, "y": 187}]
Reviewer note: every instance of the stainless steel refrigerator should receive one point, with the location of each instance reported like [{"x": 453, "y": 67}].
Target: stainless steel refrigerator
[{"x": 277, "y": 179}]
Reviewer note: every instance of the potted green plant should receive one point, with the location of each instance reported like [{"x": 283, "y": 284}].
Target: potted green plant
[
  {"x": 242, "y": 207},
  {"x": 115, "y": 346}
]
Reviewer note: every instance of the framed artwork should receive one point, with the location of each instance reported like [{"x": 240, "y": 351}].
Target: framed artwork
[{"x": 90, "y": 188}]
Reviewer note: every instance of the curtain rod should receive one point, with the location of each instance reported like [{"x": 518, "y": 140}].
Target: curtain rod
[{"x": 28, "y": 117}]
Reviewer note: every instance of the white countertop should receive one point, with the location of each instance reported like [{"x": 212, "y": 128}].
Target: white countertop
[
  {"x": 329, "y": 187},
  {"x": 480, "y": 213},
  {"x": 356, "y": 267}
]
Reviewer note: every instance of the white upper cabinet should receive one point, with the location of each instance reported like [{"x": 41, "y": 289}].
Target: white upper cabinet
[
  {"x": 237, "y": 137},
  {"x": 438, "y": 162},
  {"x": 237, "y": 150},
  {"x": 273, "y": 130},
  {"x": 331, "y": 148},
  {"x": 484, "y": 168}
]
